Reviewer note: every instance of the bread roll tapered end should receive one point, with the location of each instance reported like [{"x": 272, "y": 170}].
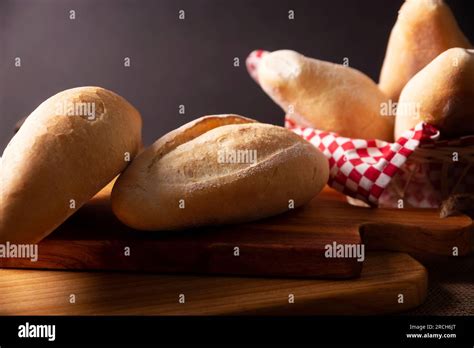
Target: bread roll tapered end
[
  {"x": 325, "y": 96},
  {"x": 424, "y": 29}
]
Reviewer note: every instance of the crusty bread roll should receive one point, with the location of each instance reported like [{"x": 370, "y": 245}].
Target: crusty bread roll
[
  {"x": 441, "y": 94},
  {"x": 70, "y": 147},
  {"x": 188, "y": 177},
  {"x": 325, "y": 96},
  {"x": 424, "y": 29}
]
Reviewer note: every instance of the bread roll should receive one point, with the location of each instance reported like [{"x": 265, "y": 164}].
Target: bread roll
[
  {"x": 70, "y": 147},
  {"x": 325, "y": 96},
  {"x": 441, "y": 94},
  {"x": 424, "y": 29},
  {"x": 189, "y": 178}
]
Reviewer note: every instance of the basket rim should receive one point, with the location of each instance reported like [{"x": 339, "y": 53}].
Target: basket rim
[{"x": 443, "y": 154}]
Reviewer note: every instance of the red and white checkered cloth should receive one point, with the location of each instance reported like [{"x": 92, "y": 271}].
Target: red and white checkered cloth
[
  {"x": 359, "y": 168},
  {"x": 252, "y": 62},
  {"x": 363, "y": 168}
]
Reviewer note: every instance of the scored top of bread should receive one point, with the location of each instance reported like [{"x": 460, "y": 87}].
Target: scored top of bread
[{"x": 184, "y": 166}]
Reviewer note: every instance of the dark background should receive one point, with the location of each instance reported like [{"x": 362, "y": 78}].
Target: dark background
[{"x": 177, "y": 62}]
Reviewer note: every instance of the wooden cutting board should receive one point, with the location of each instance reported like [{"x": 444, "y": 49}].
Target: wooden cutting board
[
  {"x": 384, "y": 278},
  {"x": 289, "y": 245}
]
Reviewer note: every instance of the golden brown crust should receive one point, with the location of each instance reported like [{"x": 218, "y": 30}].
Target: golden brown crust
[
  {"x": 190, "y": 185},
  {"x": 325, "y": 96},
  {"x": 61, "y": 157},
  {"x": 441, "y": 94},
  {"x": 424, "y": 29}
]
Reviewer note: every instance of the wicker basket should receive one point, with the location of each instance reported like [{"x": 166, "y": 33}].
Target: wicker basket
[{"x": 432, "y": 173}]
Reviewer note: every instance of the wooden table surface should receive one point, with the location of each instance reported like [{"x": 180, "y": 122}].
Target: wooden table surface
[
  {"x": 385, "y": 274},
  {"x": 384, "y": 277}
]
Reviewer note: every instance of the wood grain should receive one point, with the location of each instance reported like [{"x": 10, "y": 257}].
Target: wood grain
[
  {"x": 385, "y": 276},
  {"x": 93, "y": 239},
  {"x": 290, "y": 245}
]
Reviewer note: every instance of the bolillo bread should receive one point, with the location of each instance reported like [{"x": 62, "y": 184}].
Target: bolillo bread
[
  {"x": 441, "y": 94},
  {"x": 189, "y": 178},
  {"x": 325, "y": 96},
  {"x": 70, "y": 147},
  {"x": 424, "y": 29}
]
